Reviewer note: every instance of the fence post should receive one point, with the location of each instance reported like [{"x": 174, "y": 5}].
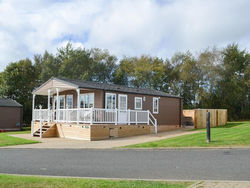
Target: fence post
[
  {"x": 116, "y": 114},
  {"x": 136, "y": 117},
  {"x": 128, "y": 116}
]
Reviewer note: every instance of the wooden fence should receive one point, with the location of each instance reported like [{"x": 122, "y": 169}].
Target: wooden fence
[{"x": 217, "y": 117}]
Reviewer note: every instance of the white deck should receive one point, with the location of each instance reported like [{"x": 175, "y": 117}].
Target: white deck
[{"x": 95, "y": 116}]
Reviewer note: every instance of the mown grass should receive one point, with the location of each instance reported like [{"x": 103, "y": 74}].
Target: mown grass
[
  {"x": 11, "y": 181},
  {"x": 7, "y": 140},
  {"x": 232, "y": 134}
]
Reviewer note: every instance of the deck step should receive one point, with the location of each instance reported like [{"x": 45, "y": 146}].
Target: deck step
[{"x": 45, "y": 127}]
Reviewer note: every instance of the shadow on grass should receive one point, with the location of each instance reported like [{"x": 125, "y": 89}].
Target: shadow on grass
[{"x": 230, "y": 125}]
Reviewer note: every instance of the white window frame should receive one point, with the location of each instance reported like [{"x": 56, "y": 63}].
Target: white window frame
[
  {"x": 157, "y": 109},
  {"x": 138, "y": 98},
  {"x": 87, "y": 94},
  {"x": 122, "y": 95},
  {"x": 64, "y": 102},
  {"x": 67, "y": 104},
  {"x": 106, "y": 96}
]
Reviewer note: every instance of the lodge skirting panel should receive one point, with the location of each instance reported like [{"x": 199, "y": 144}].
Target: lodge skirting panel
[{"x": 98, "y": 132}]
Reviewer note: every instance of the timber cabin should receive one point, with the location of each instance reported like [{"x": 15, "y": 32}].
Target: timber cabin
[{"x": 93, "y": 111}]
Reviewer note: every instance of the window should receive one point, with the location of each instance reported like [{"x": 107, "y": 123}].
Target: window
[
  {"x": 138, "y": 103},
  {"x": 61, "y": 101},
  {"x": 87, "y": 100},
  {"x": 110, "y": 101},
  {"x": 122, "y": 105},
  {"x": 70, "y": 101},
  {"x": 155, "y": 105}
]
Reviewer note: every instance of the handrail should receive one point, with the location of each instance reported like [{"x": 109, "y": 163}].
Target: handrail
[
  {"x": 95, "y": 116},
  {"x": 155, "y": 121}
]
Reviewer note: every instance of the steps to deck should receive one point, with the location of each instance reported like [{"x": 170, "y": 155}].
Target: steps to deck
[{"x": 45, "y": 128}]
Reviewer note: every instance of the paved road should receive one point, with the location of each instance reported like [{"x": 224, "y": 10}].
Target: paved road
[{"x": 223, "y": 164}]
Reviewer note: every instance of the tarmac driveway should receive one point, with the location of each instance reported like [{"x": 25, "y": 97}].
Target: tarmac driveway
[{"x": 64, "y": 143}]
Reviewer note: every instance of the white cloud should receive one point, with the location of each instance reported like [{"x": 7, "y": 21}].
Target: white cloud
[{"x": 126, "y": 27}]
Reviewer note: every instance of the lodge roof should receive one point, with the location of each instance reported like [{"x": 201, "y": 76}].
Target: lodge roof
[
  {"x": 9, "y": 103},
  {"x": 116, "y": 88}
]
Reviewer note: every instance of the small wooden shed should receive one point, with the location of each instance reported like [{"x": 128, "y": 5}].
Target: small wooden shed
[
  {"x": 197, "y": 117},
  {"x": 11, "y": 114}
]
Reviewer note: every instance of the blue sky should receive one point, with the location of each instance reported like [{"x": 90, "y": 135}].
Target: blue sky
[{"x": 124, "y": 27}]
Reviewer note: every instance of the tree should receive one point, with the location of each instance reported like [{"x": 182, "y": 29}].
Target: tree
[
  {"x": 18, "y": 81},
  {"x": 232, "y": 88},
  {"x": 187, "y": 78},
  {"x": 209, "y": 65},
  {"x": 104, "y": 65},
  {"x": 145, "y": 72}
]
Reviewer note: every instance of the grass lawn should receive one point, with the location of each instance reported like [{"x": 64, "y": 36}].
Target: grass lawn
[
  {"x": 232, "y": 134},
  {"x": 7, "y": 140},
  {"x": 11, "y": 181}
]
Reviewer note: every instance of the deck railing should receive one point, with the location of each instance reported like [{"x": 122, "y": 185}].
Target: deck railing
[{"x": 96, "y": 116}]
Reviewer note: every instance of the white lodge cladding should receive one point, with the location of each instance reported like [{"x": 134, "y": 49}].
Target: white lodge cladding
[{"x": 92, "y": 111}]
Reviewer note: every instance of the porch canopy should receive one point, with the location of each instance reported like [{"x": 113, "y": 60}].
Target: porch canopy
[{"x": 53, "y": 85}]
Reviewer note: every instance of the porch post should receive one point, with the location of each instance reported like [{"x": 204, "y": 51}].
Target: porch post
[
  {"x": 91, "y": 115},
  {"x": 136, "y": 117},
  {"x": 148, "y": 117},
  {"x": 128, "y": 116},
  {"x": 48, "y": 105},
  {"x": 33, "y": 107},
  {"x": 116, "y": 114},
  {"x": 57, "y": 104},
  {"x": 40, "y": 117},
  {"x": 78, "y": 104}
]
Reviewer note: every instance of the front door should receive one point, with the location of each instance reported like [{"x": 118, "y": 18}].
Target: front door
[
  {"x": 61, "y": 113},
  {"x": 122, "y": 109}
]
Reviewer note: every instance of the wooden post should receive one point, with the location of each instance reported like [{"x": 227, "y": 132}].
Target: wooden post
[
  {"x": 48, "y": 105},
  {"x": 78, "y": 105},
  {"x": 57, "y": 104},
  {"x": 128, "y": 116}
]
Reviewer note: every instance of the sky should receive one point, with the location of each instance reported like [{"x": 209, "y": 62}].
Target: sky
[{"x": 124, "y": 27}]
